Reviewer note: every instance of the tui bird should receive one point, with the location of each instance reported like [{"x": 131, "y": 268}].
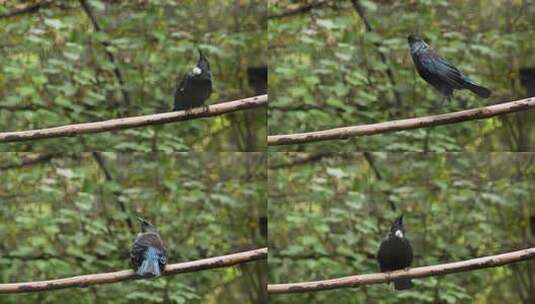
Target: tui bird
[
  {"x": 195, "y": 87},
  {"x": 395, "y": 252},
  {"x": 439, "y": 73},
  {"x": 148, "y": 255}
]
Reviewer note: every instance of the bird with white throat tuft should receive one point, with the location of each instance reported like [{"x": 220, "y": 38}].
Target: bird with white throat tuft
[
  {"x": 395, "y": 252},
  {"x": 195, "y": 87}
]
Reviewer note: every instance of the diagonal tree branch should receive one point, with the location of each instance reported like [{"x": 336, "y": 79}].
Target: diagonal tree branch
[
  {"x": 136, "y": 121},
  {"x": 371, "y": 162},
  {"x": 404, "y": 124},
  {"x": 89, "y": 12},
  {"x": 124, "y": 275},
  {"x": 419, "y": 272},
  {"x": 109, "y": 178},
  {"x": 362, "y": 14}
]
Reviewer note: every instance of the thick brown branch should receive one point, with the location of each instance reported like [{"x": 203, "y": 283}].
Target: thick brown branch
[
  {"x": 404, "y": 124},
  {"x": 123, "y": 275},
  {"x": 419, "y": 272},
  {"x": 136, "y": 121}
]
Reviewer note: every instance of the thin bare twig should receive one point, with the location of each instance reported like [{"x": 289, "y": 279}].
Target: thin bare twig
[
  {"x": 118, "y": 74},
  {"x": 362, "y": 14},
  {"x": 107, "y": 174}
]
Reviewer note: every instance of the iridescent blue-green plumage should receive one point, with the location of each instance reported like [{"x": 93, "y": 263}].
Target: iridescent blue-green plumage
[
  {"x": 439, "y": 73},
  {"x": 148, "y": 255}
]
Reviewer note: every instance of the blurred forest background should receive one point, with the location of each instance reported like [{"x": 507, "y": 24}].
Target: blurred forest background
[
  {"x": 342, "y": 63},
  {"x": 63, "y": 215},
  {"x": 56, "y": 69},
  {"x": 329, "y": 212}
]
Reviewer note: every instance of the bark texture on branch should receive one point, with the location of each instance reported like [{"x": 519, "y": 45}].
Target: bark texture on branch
[
  {"x": 123, "y": 275},
  {"x": 419, "y": 272},
  {"x": 404, "y": 124},
  {"x": 135, "y": 121}
]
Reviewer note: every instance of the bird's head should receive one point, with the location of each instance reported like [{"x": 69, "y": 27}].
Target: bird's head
[
  {"x": 412, "y": 38},
  {"x": 146, "y": 226},
  {"x": 202, "y": 64},
  {"x": 397, "y": 229}
]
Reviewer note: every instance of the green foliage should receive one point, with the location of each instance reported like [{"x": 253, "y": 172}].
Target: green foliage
[
  {"x": 328, "y": 218},
  {"x": 327, "y": 71},
  {"x": 56, "y": 70},
  {"x": 63, "y": 218}
]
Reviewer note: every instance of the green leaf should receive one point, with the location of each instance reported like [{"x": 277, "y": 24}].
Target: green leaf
[{"x": 54, "y": 23}]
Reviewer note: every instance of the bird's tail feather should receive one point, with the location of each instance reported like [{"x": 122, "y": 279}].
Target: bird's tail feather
[
  {"x": 149, "y": 266},
  {"x": 477, "y": 89},
  {"x": 401, "y": 284}
]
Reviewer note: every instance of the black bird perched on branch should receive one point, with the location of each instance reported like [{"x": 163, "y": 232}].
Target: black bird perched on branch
[
  {"x": 148, "y": 255},
  {"x": 439, "y": 73},
  {"x": 395, "y": 252},
  {"x": 195, "y": 87}
]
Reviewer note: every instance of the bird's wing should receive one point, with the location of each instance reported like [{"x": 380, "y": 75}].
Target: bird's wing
[
  {"x": 150, "y": 239},
  {"x": 411, "y": 256},
  {"x": 183, "y": 83},
  {"x": 136, "y": 255},
  {"x": 442, "y": 69},
  {"x": 381, "y": 257},
  {"x": 145, "y": 240}
]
